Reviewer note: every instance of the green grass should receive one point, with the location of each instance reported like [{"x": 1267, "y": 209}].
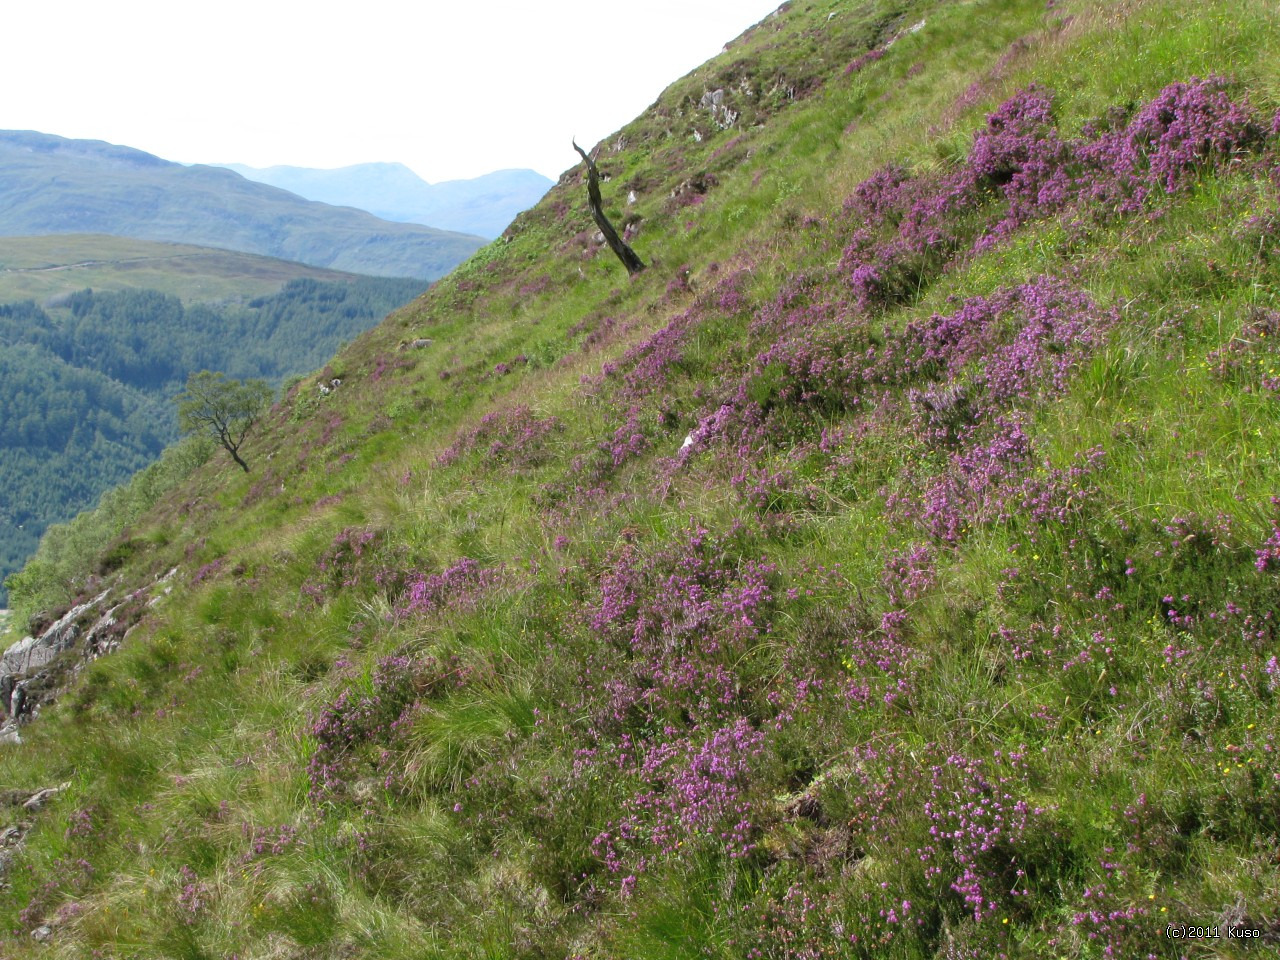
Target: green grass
[{"x": 46, "y": 267}]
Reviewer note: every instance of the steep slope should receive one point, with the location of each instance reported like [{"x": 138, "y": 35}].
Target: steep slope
[
  {"x": 889, "y": 570},
  {"x": 481, "y": 205},
  {"x": 51, "y": 185}
]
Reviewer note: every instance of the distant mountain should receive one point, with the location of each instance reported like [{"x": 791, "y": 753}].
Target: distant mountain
[
  {"x": 51, "y": 185},
  {"x": 482, "y": 205}
]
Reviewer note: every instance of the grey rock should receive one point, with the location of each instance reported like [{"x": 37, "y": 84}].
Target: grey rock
[
  {"x": 722, "y": 114},
  {"x": 98, "y": 640},
  {"x": 41, "y": 933},
  {"x": 41, "y": 797},
  {"x": 31, "y": 653}
]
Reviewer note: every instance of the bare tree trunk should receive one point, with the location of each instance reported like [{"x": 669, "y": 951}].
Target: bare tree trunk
[
  {"x": 224, "y": 437},
  {"x": 619, "y": 246}
]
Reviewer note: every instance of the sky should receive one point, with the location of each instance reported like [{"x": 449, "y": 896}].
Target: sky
[{"x": 450, "y": 89}]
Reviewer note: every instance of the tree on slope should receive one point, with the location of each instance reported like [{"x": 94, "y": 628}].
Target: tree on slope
[{"x": 224, "y": 408}]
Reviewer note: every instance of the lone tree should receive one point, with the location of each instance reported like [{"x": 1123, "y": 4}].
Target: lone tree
[
  {"x": 226, "y": 409},
  {"x": 619, "y": 246}
]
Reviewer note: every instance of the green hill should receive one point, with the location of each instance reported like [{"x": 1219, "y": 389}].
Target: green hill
[
  {"x": 51, "y": 185},
  {"x": 46, "y": 267},
  {"x": 891, "y": 569}
]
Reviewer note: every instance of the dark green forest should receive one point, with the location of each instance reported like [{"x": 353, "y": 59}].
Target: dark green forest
[{"x": 86, "y": 386}]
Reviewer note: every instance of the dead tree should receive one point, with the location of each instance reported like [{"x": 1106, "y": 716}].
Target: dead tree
[{"x": 619, "y": 246}]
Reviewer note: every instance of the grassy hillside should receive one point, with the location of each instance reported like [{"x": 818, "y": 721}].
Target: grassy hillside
[
  {"x": 47, "y": 267},
  {"x": 51, "y": 185},
  {"x": 889, "y": 570}
]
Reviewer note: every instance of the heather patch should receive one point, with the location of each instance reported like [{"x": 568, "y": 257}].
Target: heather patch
[
  {"x": 1018, "y": 346},
  {"x": 355, "y": 733},
  {"x": 688, "y": 597},
  {"x": 964, "y": 375},
  {"x": 357, "y": 559},
  {"x": 690, "y": 789},
  {"x": 996, "y": 481},
  {"x": 906, "y": 230},
  {"x": 512, "y": 437},
  {"x": 457, "y": 588}
]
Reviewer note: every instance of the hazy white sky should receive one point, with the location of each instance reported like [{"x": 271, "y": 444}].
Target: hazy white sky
[{"x": 451, "y": 88}]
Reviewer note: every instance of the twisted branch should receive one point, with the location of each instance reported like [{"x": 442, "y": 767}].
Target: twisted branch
[{"x": 619, "y": 246}]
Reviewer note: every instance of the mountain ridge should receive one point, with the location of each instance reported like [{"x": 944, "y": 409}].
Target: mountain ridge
[
  {"x": 482, "y": 205},
  {"x": 51, "y": 185}
]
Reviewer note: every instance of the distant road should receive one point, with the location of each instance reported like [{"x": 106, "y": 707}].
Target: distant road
[{"x": 98, "y": 263}]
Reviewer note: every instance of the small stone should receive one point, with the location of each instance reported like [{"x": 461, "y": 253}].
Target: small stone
[
  {"x": 41, "y": 797},
  {"x": 41, "y": 933}
]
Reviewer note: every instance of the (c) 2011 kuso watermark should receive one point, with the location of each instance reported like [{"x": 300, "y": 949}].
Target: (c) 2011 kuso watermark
[{"x": 1189, "y": 931}]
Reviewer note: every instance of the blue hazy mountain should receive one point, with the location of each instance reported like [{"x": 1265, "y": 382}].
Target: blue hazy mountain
[
  {"x": 483, "y": 205},
  {"x": 52, "y": 185}
]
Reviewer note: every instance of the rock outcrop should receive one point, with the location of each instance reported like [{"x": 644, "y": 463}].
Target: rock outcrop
[
  {"x": 32, "y": 653},
  {"x": 34, "y": 668},
  {"x": 11, "y": 837}
]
